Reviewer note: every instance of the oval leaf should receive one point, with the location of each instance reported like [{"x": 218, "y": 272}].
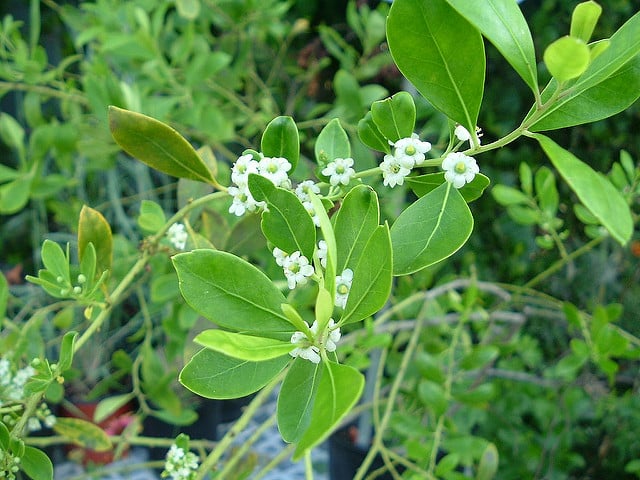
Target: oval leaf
[
  {"x": 332, "y": 143},
  {"x": 212, "y": 374},
  {"x": 584, "y": 19},
  {"x": 395, "y": 116},
  {"x": 593, "y": 190},
  {"x": 36, "y": 464},
  {"x": 83, "y": 433},
  {"x": 441, "y": 54},
  {"x": 371, "y": 135},
  {"x": 430, "y": 230},
  {"x": 157, "y": 145},
  {"x": 281, "y": 139},
  {"x": 232, "y": 293},
  {"x": 243, "y": 347},
  {"x": 423, "y": 184},
  {"x": 567, "y": 58},
  {"x": 297, "y": 398},
  {"x": 94, "y": 228}
]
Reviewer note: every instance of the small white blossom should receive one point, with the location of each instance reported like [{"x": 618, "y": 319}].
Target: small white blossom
[
  {"x": 410, "y": 151},
  {"x": 180, "y": 465},
  {"x": 463, "y": 134},
  {"x": 275, "y": 169},
  {"x": 303, "y": 189},
  {"x": 243, "y": 201},
  {"x": 279, "y": 255},
  {"x": 459, "y": 169},
  {"x": 339, "y": 171},
  {"x": 297, "y": 269},
  {"x": 33, "y": 424},
  {"x": 308, "y": 206},
  {"x": 177, "y": 236},
  {"x": 322, "y": 253},
  {"x": 242, "y": 168},
  {"x": 330, "y": 344},
  {"x": 343, "y": 286},
  {"x": 393, "y": 172},
  {"x": 305, "y": 348}
]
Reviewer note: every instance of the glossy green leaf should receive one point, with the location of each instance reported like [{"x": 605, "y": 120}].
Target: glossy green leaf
[
  {"x": 88, "y": 265},
  {"x": 605, "y": 99},
  {"x": 446, "y": 65},
  {"x": 231, "y": 292},
  {"x": 584, "y": 19},
  {"x": 281, "y": 139},
  {"x": 66, "y": 351},
  {"x": 157, "y": 144},
  {"x": 423, "y": 184},
  {"x": 567, "y": 58},
  {"x": 332, "y": 143},
  {"x": 371, "y": 135},
  {"x": 594, "y": 191},
  {"x": 286, "y": 224},
  {"x": 55, "y": 260},
  {"x": 109, "y": 405},
  {"x": 430, "y": 230},
  {"x": 212, "y": 374},
  {"x": 94, "y": 228},
  {"x": 243, "y": 347},
  {"x": 502, "y": 22},
  {"x": 371, "y": 279},
  {"x": 15, "y": 194},
  {"x": 507, "y": 196},
  {"x": 297, "y": 398},
  {"x": 83, "y": 433},
  {"x": 395, "y": 116},
  {"x": 355, "y": 222},
  {"x": 4, "y": 436},
  {"x": 546, "y": 191},
  {"x": 151, "y": 218},
  {"x": 36, "y": 464},
  {"x": 339, "y": 390}
]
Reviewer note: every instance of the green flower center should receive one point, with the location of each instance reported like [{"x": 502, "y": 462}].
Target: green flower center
[
  {"x": 342, "y": 289},
  {"x": 410, "y": 150},
  {"x": 460, "y": 167}
]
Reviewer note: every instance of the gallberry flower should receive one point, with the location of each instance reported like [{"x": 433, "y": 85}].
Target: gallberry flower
[
  {"x": 463, "y": 134},
  {"x": 180, "y": 465},
  {"x": 242, "y": 168},
  {"x": 339, "y": 171},
  {"x": 177, "y": 236},
  {"x": 409, "y": 151},
  {"x": 333, "y": 337},
  {"x": 280, "y": 256},
  {"x": 393, "y": 172},
  {"x": 296, "y": 269},
  {"x": 275, "y": 169},
  {"x": 305, "y": 348},
  {"x": 322, "y": 253},
  {"x": 243, "y": 201},
  {"x": 308, "y": 206},
  {"x": 459, "y": 169},
  {"x": 303, "y": 189},
  {"x": 343, "y": 286}
]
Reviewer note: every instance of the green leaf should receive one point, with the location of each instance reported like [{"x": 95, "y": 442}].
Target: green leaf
[
  {"x": 157, "y": 145},
  {"x": 286, "y": 224},
  {"x": 433, "y": 396},
  {"x": 188, "y": 9},
  {"x": 488, "y": 466},
  {"x": 94, "y": 228},
  {"x": 395, "y": 116},
  {"x": 55, "y": 260},
  {"x": 296, "y": 399},
  {"x": 546, "y": 191},
  {"x": 15, "y": 194},
  {"x": 502, "y": 22},
  {"x": 441, "y": 54},
  {"x": 594, "y": 191},
  {"x": 371, "y": 280},
  {"x": 66, "y": 351},
  {"x": 423, "y": 184},
  {"x": 4, "y": 295},
  {"x": 605, "y": 99},
  {"x": 212, "y": 374},
  {"x": 232, "y": 293},
  {"x": 339, "y": 390},
  {"x": 507, "y": 196},
  {"x": 371, "y": 135},
  {"x": 11, "y": 133},
  {"x": 36, "y": 464},
  {"x": 355, "y": 222},
  {"x": 151, "y": 218},
  {"x": 281, "y": 139},
  {"x": 567, "y": 58},
  {"x": 108, "y": 406},
  {"x": 430, "y": 230},
  {"x": 584, "y": 19},
  {"x": 479, "y": 357},
  {"x": 332, "y": 143},
  {"x": 243, "y": 347},
  {"x": 83, "y": 433}
]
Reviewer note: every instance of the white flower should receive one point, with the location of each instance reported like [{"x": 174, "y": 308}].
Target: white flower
[
  {"x": 339, "y": 171},
  {"x": 275, "y": 169},
  {"x": 243, "y": 201},
  {"x": 306, "y": 349},
  {"x": 308, "y": 206},
  {"x": 33, "y": 424},
  {"x": 393, "y": 172},
  {"x": 343, "y": 286},
  {"x": 180, "y": 465},
  {"x": 330, "y": 344},
  {"x": 296, "y": 269},
  {"x": 459, "y": 169},
  {"x": 242, "y": 168},
  {"x": 280, "y": 256},
  {"x": 409, "y": 151},
  {"x": 177, "y": 236},
  {"x": 322, "y": 253},
  {"x": 463, "y": 134},
  {"x": 303, "y": 189}
]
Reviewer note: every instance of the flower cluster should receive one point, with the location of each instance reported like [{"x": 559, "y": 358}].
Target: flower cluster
[
  {"x": 343, "y": 286},
  {"x": 408, "y": 153},
  {"x": 12, "y": 384},
  {"x": 177, "y": 236},
  {"x": 180, "y": 465},
  {"x": 459, "y": 169},
  {"x": 310, "y": 349},
  {"x": 44, "y": 415},
  {"x": 273, "y": 168},
  {"x": 296, "y": 267}
]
